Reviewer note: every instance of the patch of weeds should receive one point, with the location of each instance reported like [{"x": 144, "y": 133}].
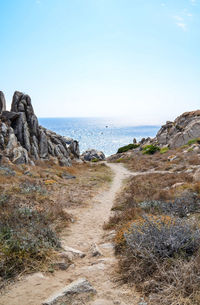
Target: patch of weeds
[
  {"x": 164, "y": 150},
  {"x": 150, "y": 149},
  {"x": 193, "y": 141},
  {"x": 182, "y": 147},
  {"x": 127, "y": 147},
  {"x": 29, "y": 187},
  {"x": 119, "y": 160},
  {"x": 95, "y": 160}
]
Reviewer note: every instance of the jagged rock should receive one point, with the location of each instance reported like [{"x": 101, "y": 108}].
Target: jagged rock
[
  {"x": 9, "y": 115},
  {"x": 43, "y": 144},
  {"x": 145, "y": 141},
  {"x": 77, "y": 287},
  {"x": 2, "y": 102},
  {"x": 93, "y": 154},
  {"x": 12, "y": 142},
  {"x": 23, "y": 140},
  {"x": 73, "y": 145},
  {"x": 3, "y": 129}
]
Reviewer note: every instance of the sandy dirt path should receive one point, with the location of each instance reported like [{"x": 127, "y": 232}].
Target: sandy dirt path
[{"x": 99, "y": 271}]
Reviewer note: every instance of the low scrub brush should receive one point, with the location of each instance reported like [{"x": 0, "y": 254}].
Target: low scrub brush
[
  {"x": 26, "y": 241},
  {"x": 152, "y": 241},
  {"x": 181, "y": 206}
]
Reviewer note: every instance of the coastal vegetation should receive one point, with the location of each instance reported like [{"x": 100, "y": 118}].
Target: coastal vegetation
[
  {"x": 127, "y": 147},
  {"x": 150, "y": 149},
  {"x": 193, "y": 141},
  {"x": 156, "y": 218}
]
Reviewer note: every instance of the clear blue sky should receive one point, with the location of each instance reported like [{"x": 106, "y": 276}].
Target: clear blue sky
[{"x": 139, "y": 59}]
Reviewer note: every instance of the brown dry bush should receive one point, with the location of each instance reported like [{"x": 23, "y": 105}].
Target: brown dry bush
[
  {"x": 122, "y": 217},
  {"x": 161, "y": 258},
  {"x": 176, "y": 283}
]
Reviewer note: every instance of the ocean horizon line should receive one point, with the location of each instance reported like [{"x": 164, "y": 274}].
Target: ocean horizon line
[{"x": 116, "y": 121}]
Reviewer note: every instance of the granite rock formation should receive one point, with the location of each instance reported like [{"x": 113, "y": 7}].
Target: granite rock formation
[
  {"x": 185, "y": 127},
  {"x": 93, "y": 154},
  {"x": 23, "y": 140}
]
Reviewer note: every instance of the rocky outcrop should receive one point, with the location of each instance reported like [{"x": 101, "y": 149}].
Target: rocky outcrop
[
  {"x": 93, "y": 155},
  {"x": 179, "y": 132},
  {"x": 22, "y": 140}
]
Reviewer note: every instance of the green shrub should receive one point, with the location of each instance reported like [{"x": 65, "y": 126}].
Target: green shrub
[
  {"x": 95, "y": 160},
  {"x": 150, "y": 149},
  {"x": 164, "y": 150},
  {"x": 193, "y": 141},
  {"x": 127, "y": 147}
]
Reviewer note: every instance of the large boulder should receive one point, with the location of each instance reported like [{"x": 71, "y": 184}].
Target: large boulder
[
  {"x": 24, "y": 141},
  {"x": 93, "y": 155},
  {"x": 185, "y": 127}
]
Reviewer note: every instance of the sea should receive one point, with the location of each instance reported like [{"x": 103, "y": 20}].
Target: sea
[{"x": 105, "y": 134}]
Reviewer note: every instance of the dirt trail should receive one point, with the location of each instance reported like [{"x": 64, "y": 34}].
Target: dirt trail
[{"x": 87, "y": 229}]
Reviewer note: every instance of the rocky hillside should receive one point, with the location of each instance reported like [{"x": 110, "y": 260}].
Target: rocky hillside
[
  {"x": 23, "y": 140},
  {"x": 185, "y": 127}
]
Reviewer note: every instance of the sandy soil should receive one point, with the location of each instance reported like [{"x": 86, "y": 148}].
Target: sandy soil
[{"x": 87, "y": 229}]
